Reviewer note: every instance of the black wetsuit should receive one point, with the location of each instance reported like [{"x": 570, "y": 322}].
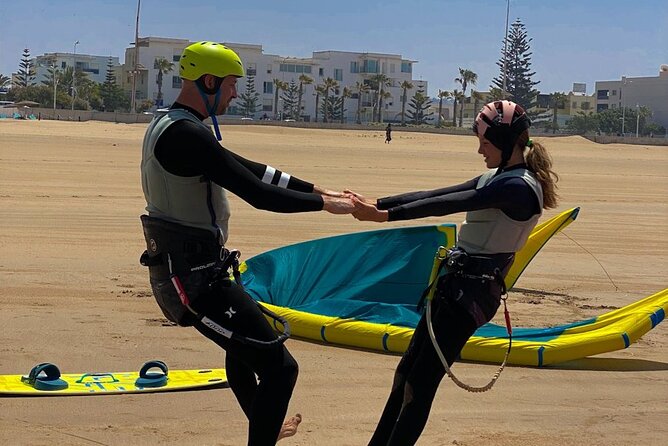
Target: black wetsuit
[
  {"x": 261, "y": 378},
  {"x": 420, "y": 370}
]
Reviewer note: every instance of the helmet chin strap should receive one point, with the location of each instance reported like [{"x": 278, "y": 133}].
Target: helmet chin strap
[{"x": 211, "y": 109}]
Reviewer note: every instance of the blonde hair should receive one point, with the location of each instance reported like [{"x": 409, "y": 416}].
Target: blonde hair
[{"x": 540, "y": 162}]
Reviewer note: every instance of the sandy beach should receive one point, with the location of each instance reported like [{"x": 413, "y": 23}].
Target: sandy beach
[{"x": 73, "y": 292}]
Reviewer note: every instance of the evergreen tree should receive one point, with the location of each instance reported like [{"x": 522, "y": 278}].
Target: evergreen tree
[
  {"x": 248, "y": 100},
  {"x": 26, "y": 74},
  {"x": 519, "y": 86},
  {"x": 335, "y": 108},
  {"x": 290, "y": 99},
  {"x": 419, "y": 104},
  {"x": 112, "y": 95}
]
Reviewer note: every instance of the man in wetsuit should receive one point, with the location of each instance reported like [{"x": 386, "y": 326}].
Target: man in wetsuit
[
  {"x": 503, "y": 205},
  {"x": 185, "y": 175}
]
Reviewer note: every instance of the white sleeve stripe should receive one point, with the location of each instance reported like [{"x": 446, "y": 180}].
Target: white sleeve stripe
[
  {"x": 285, "y": 178},
  {"x": 268, "y": 175}
]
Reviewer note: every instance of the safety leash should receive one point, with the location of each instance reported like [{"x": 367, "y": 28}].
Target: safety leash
[{"x": 441, "y": 254}]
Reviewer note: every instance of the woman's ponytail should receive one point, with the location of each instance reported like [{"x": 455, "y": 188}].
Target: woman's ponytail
[{"x": 540, "y": 162}]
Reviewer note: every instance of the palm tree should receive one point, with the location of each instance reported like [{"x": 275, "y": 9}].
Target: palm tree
[
  {"x": 456, "y": 95},
  {"x": 278, "y": 86},
  {"x": 319, "y": 90},
  {"x": 405, "y": 86},
  {"x": 380, "y": 81},
  {"x": 361, "y": 88},
  {"x": 346, "y": 93},
  {"x": 383, "y": 96},
  {"x": 442, "y": 94},
  {"x": 477, "y": 97},
  {"x": 556, "y": 101},
  {"x": 163, "y": 66},
  {"x": 465, "y": 77},
  {"x": 4, "y": 80},
  {"x": 303, "y": 80},
  {"x": 329, "y": 84}
]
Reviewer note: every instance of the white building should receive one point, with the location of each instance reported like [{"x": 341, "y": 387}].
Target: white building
[
  {"x": 651, "y": 92},
  {"x": 95, "y": 67},
  {"x": 347, "y": 68}
]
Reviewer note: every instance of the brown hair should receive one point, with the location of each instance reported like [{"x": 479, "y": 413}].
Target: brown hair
[{"x": 540, "y": 162}]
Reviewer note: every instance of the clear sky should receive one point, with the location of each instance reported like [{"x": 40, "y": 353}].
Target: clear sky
[{"x": 573, "y": 41}]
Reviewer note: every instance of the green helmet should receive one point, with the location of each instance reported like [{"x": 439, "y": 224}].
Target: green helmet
[{"x": 209, "y": 58}]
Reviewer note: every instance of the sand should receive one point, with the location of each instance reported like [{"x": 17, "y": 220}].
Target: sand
[{"x": 73, "y": 292}]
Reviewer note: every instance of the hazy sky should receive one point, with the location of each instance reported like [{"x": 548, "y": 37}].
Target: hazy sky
[{"x": 573, "y": 41}]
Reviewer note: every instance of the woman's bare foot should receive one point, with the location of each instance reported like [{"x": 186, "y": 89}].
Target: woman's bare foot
[{"x": 290, "y": 426}]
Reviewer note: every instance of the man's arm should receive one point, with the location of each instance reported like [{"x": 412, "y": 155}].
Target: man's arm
[{"x": 188, "y": 149}]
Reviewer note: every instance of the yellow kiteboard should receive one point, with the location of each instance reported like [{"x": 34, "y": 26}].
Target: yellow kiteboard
[{"x": 45, "y": 380}]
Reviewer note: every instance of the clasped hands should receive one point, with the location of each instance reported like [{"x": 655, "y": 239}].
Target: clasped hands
[{"x": 349, "y": 202}]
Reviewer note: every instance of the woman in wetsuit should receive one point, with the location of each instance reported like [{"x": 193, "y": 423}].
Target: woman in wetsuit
[{"x": 503, "y": 206}]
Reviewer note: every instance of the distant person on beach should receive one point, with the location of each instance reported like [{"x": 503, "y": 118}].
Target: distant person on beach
[
  {"x": 185, "y": 174},
  {"x": 503, "y": 206},
  {"x": 388, "y": 133}
]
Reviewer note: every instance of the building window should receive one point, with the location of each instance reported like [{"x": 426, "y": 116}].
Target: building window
[
  {"x": 338, "y": 74},
  {"x": 267, "y": 106},
  {"x": 614, "y": 93},
  {"x": 369, "y": 66},
  {"x": 294, "y": 68},
  {"x": 268, "y": 69},
  {"x": 268, "y": 88},
  {"x": 63, "y": 64},
  {"x": 176, "y": 82},
  {"x": 602, "y": 94},
  {"x": 321, "y": 71},
  {"x": 176, "y": 57},
  {"x": 406, "y": 67},
  {"x": 354, "y": 68}
]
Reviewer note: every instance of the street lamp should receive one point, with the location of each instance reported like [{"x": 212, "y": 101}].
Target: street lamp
[
  {"x": 74, "y": 71},
  {"x": 621, "y": 94},
  {"x": 55, "y": 83},
  {"x": 505, "y": 51},
  {"x": 135, "y": 72}
]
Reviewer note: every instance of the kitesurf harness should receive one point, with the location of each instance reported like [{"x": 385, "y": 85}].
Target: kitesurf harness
[
  {"x": 177, "y": 252},
  {"x": 455, "y": 260}
]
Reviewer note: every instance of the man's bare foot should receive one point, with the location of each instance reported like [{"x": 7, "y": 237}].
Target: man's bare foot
[{"x": 290, "y": 426}]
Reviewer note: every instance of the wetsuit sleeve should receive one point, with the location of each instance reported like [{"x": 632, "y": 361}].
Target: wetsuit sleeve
[
  {"x": 269, "y": 174},
  {"x": 397, "y": 200},
  {"x": 513, "y": 196},
  {"x": 188, "y": 149}
]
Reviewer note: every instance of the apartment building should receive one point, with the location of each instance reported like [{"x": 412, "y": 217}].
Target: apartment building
[
  {"x": 347, "y": 68},
  {"x": 95, "y": 67},
  {"x": 650, "y": 91}
]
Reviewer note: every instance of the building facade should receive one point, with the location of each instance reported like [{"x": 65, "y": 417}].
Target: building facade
[
  {"x": 95, "y": 67},
  {"x": 348, "y": 69},
  {"x": 651, "y": 92}
]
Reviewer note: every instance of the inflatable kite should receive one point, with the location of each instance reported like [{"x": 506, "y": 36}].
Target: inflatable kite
[{"x": 361, "y": 290}]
